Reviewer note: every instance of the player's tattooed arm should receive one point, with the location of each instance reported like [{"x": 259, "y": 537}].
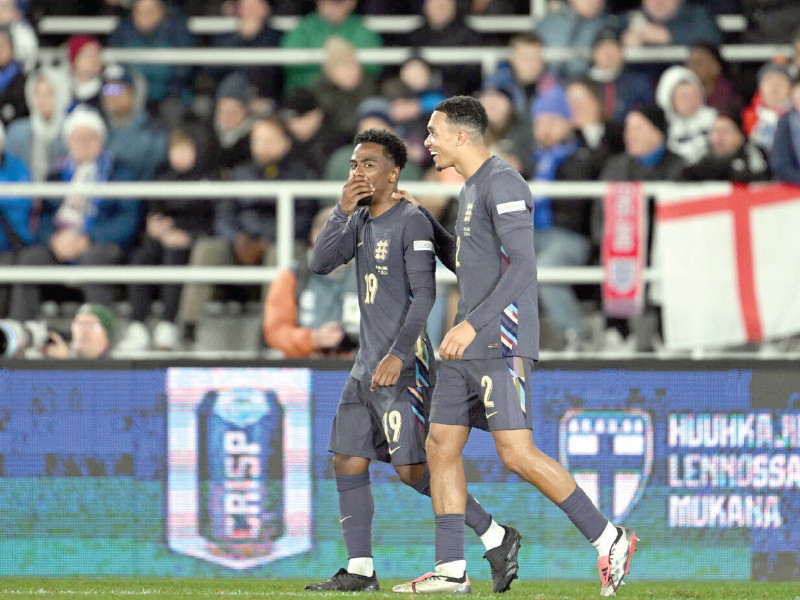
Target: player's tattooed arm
[{"x": 444, "y": 242}]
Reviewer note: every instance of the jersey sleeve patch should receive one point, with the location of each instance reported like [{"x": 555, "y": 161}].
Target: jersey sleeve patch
[
  {"x": 514, "y": 206},
  {"x": 420, "y": 245}
]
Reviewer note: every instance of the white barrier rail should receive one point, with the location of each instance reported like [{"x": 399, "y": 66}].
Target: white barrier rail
[
  {"x": 286, "y": 192},
  {"x": 211, "y": 25},
  {"x": 487, "y": 57}
]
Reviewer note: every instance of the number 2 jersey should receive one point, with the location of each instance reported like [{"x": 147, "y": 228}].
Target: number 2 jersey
[
  {"x": 388, "y": 249},
  {"x": 495, "y": 201}
]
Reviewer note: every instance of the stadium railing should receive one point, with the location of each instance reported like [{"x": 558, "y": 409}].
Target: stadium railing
[
  {"x": 488, "y": 57},
  {"x": 103, "y": 25},
  {"x": 285, "y": 192}
]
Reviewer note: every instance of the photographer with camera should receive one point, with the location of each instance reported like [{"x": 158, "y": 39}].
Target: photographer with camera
[
  {"x": 90, "y": 336},
  {"x": 92, "y": 331}
]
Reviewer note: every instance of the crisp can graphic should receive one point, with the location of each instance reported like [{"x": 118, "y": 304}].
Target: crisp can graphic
[
  {"x": 240, "y": 463},
  {"x": 238, "y": 486}
]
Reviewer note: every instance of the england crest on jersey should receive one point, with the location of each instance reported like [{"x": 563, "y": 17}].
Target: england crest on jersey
[
  {"x": 610, "y": 455},
  {"x": 381, "y": 250}
]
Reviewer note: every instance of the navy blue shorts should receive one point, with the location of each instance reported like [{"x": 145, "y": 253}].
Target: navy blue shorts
[
  {"x": 493, "y": 394},
  {"x": 389, "y": 424}
]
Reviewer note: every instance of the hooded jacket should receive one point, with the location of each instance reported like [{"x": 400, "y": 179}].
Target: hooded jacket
[
  {"x": 687, "y": 136},
  {"x": 139, "y": 142},
  {"x": 37, "y": 140}
]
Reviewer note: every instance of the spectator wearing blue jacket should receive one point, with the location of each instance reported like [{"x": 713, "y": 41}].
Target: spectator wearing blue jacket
[
  {"x": 134, "y": 137},
  {"x": 669, "y": 22},
  {"x": 622, "y": 87},
  {"x": 157, "y": 24},
  {"x": 576, "y": 25},
  {"x": 525, "y": 74},
  {"x": 15, "y": 214},
  {"x": 79, "y": 229},
  {"x": 784, "y": 156}
]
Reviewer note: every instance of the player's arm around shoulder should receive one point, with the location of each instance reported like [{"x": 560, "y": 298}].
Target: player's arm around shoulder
[{"x": 419, "y": 247}]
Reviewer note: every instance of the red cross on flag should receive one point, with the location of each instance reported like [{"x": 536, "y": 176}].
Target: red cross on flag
[{"x": 730, "y": 267}]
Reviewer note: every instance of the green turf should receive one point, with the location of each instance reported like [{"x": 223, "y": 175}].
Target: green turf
[{"x": 47, "y": 588}]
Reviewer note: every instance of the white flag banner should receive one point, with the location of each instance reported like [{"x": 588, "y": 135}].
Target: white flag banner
[{"x": 730, "y": 267}]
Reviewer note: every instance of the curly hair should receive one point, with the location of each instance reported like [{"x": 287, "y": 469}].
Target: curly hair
[
  {"x": 465, "y": 111},
  {"x": 393, "y": 146}
]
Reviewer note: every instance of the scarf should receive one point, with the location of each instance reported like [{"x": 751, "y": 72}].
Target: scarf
[
  {"x": 86, "y": 90},
  {"x": 227, "y": 139},
  {"x": 547, "y": 162},
  {"x": 8, "y": 74},
  {"x": 76, "y": 211},
  {"x": 45, "y": 133},
  {"x": 652, "y": 159}
]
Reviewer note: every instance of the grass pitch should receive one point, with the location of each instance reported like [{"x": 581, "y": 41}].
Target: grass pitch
[{"x": 52, "y": 588}]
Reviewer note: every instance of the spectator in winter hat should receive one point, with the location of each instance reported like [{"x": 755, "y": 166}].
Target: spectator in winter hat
[
  {"x": 92, "y": 331},
  {"x": 232, "y": 122},
  {"x": 730, "y": 156},
  {"x": 86, "y": 69},
  {"x": 646, "y": 157},
  {"x": 79, "y": 229},
  {"x": 561, "y": 228},
  {"x": 680, "y": 94},
  {"x": 133, "y": 136},
  {"x": 37, "y": 139}
]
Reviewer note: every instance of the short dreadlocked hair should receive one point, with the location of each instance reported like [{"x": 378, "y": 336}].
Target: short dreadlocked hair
[
  {"x": 393, "y": 146},
  {"x": 465, "y": 111}
]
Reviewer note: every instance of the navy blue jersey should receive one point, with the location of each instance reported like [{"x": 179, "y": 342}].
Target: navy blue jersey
[
  {"x": 387, "y": 249},
  {"x": 493, "y": 202}
]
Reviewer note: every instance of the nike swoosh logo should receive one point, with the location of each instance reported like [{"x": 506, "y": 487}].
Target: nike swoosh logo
[
  {"x": 393, "y": 450},
  {"x": 360, "y": 244},
  {"x": 344, "y": 519},
  {"x": 492, "y": 414}
]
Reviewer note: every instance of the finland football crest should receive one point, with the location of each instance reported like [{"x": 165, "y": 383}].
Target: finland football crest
[
  {"x": 610, "y": 455},
  {"x": 381, "y": 250}
]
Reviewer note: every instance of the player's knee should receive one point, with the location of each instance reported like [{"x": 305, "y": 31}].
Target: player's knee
[
  {"x": 344, "y": 465},
  {"x": 512, "y": 458},
  {"x": 406, "y": 475},
  {"x": 434, "y": 448}
]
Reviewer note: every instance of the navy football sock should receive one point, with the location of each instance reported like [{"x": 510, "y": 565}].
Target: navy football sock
[
  {"x": 449, "y": 538},
  {"x": 584, "y": 514},
  {"x": 476, "y": 517},
  {"x": 355, "y": 513}
]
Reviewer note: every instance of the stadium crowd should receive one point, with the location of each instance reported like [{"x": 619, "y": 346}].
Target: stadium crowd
[{"x": 593, "y": 118}]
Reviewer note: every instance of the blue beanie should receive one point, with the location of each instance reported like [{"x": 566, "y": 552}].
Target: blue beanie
[{"x": 551, "y": 102}]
